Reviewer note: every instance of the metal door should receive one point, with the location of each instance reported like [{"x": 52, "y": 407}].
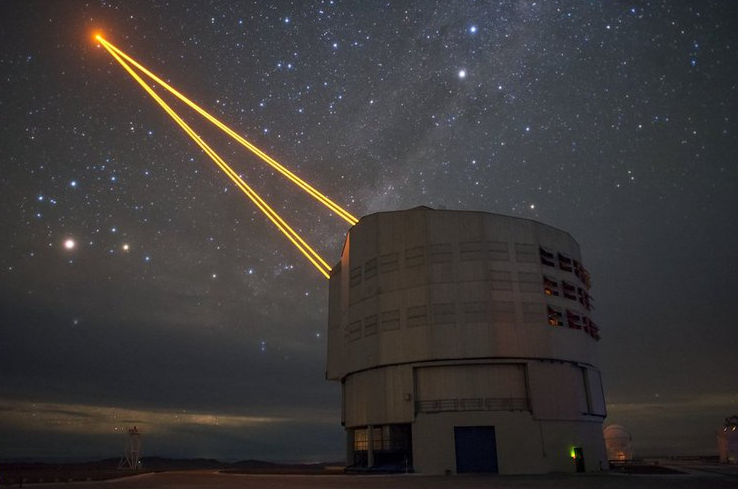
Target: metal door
[{"x": 476, "y": 449}]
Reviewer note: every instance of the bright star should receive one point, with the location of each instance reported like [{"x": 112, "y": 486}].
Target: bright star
[
  {"x": 70, "y": 244},
  {"x": 462, "y": 74}
]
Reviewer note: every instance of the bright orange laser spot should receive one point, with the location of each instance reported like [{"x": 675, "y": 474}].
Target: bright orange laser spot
[
  {"x": 290, "y": 233},
  {"x": 344, "y": 214}
]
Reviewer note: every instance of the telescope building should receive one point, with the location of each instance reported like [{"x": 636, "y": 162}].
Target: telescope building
[{"x": 463, "y": 343}]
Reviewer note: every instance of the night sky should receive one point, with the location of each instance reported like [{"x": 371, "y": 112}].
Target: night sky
[{"x": 181, "y": 309}]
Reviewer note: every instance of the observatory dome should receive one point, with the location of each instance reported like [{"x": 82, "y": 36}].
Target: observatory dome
[
  {"x": 464, "y": 342},
  {"x": 618, "y": 443}
]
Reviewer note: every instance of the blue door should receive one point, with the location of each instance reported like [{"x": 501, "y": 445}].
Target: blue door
[{"x": 476, "y": 449}]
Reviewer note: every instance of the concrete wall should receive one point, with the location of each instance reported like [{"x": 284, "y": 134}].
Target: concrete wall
[{"x": 524, "y": 445}]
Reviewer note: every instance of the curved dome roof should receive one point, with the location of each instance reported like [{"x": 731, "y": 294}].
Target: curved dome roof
[{"x": 615, "y": 431}]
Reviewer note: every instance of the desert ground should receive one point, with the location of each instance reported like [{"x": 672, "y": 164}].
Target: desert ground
[{"x": 689, "y": 479}]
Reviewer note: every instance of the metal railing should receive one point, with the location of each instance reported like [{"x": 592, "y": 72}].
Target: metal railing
[{"x": 473, "y": 404}]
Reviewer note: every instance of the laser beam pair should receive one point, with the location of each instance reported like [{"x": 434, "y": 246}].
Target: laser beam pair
[{"x": 129, "y": 63}]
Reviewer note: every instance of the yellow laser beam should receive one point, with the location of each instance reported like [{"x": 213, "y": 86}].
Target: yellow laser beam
[
  {"x": 345, "y": 215},
  {"x": 290, "y": 233}
]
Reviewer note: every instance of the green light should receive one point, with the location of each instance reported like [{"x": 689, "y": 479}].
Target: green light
[{"x": 573, "y": 453}]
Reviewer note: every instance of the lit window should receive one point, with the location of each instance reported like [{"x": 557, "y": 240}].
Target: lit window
[
  {"x": 555, "y": 316},
  {"x": 361, "y": 442},
  {"x": 550, "y": 286}
]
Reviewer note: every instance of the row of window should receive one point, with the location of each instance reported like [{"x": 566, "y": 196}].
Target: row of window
[
  {"x": 568, "y": 291},
  {"x": 467, "y": 251},
  {"x": 473, "y": 404},
  {"x": 472, "y": 312},
  {"x": 574, "y": 320},
  {"x": 386, "y": 438},
  {"x": 564, "y": 262}
]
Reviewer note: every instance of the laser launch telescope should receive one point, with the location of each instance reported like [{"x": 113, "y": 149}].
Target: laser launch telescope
[{"x": 464, "y": 342}]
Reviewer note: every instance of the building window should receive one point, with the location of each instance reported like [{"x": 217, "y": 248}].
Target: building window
[
  {"x": 475, "y": 312},
  {"x": 471, "y": 251},
  {"x": 585, "y": 299},
  {"x": 526, "y": 253},
  {"x": 355, "y": 276},
  {"x": 415, "y": 256},
  {"x": 444, "y": 313},
  {"x": 574, "y": 319},
  {"x": 370, "y": 268},
  {"x": 370, "y": 325},
  {"x": 386, "y": 438},
  {"x": 497, "y": 251},
  {"x": 591, "y": 328},
  {"x": 417, "y": 316},
  {"x": 354, "y": 331},
  {"x": 550, "y": 286},
  {"x": 555, "y": 316},
  {"x": 391, "y": 320},
  {"x": 361, "y": 440},
  {"x": 389, "y": 262},
  {"x": 500, "y": 280},
  {"x": 566, "y": 263},
  {"x": 547, "y": 257},
  {"x": 529, "y": 282},
  {"x": 582, "y": 274},
  {"x": 441, "y": 253},
  {"x": 570, "y": 291}
]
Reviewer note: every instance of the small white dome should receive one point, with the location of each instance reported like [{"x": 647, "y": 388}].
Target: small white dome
[
  {"x": 615, "y": 431},
  {"x": 617, "y": 442}
]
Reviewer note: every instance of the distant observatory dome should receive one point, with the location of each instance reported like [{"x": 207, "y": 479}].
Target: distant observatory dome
[
  {"x": 618, "y": 443},
  {"x": 727, "y": 438}
]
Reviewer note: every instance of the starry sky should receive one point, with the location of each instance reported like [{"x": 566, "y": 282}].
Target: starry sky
[{"x": 139, "y": 286}]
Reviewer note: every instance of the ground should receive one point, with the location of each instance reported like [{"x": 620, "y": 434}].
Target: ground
[{"x": 691, "y": 479}]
